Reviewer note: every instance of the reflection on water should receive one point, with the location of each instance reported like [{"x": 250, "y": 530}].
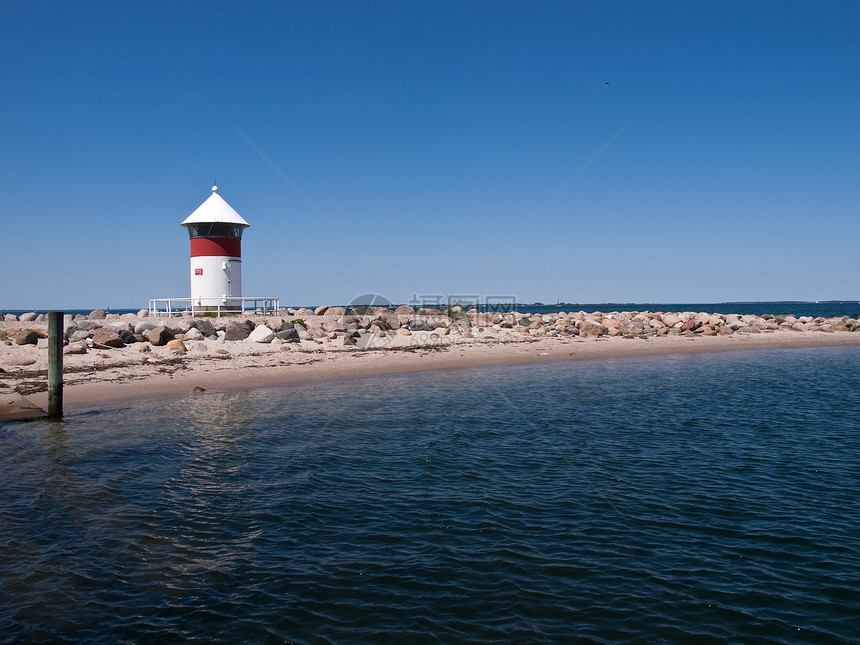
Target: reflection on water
[{"x": 653, "y": 499}]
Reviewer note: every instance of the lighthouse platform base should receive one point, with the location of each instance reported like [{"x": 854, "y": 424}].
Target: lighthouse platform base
[{"x": 219, "y": 306}]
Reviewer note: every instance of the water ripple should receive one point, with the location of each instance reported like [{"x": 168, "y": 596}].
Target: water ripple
[{"x": 675, "y": 499}]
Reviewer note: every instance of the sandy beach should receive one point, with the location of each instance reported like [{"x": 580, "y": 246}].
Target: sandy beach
[{"x": 100, "y": 375}]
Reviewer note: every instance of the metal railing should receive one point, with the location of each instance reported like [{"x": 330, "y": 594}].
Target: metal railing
[{"x": 219, "y": 306}]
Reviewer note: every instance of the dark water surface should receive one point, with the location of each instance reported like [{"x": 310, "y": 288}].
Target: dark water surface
[{"x": 679, "y": 499}]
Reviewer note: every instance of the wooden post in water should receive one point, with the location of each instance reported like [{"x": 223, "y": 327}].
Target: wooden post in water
[{"x": 55, "y": 364}]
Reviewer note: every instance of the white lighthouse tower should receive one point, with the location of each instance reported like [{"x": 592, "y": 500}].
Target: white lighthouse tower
[{"x": 215, "y": 230}]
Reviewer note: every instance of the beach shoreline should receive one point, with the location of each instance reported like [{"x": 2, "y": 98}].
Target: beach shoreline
[
  {"x": 110, "y": 387},
  {"x": 112, "y": 358}
]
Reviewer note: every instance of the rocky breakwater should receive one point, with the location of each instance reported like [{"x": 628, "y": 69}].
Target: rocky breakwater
[
  {"x": 380, "y": 327},
  {"x": 99, "y": 341}
]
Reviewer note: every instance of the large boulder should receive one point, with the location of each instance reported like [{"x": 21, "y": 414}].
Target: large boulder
[
  {"x": 78, "y": 335},
  {"x": 289, "y": 334},
  {"x": 404, "y": 310},
  {"x": 30, "y": 317},
  {"x": 69, "y": 330},
  {"x": 333, "y": 326},
  {"x": 236, "y": 331},
  {"x": 107, "y": 337},
  {"x": 176, "y": 345},
  {"x": 194, "y": 334},
  {"x": 120, "y": 326},
  {"x": 145, "y": 325},
  {"x": 26, "y": 337},
  {"x": 158, "y": 336},
  {"x": 591, "y": 328},
  {"x": 421, "y": 324},
  {"x": 205, "y": 327},
  {"x": 691, "y": 324},
  {"x": 671, "y": 319},
  {"x": 332, "y": 311},
  {"x": 320, "y": 311},
  {"x": 97, "y": 314},
  {"x": 261, "y": 334}
]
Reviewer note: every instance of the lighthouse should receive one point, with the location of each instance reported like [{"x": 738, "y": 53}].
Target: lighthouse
[{"x": 215, "y": 230}]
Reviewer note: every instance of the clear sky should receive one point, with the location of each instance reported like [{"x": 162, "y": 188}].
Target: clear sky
[{"x": 401, "y": 148}]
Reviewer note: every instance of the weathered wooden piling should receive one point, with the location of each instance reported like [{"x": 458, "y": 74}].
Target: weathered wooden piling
[{"x": 55, "y": 364}]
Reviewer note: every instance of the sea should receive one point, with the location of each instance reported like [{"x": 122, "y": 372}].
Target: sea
[
  {"x": 681, "y": 498},
  {"x": 824, "y": 308}
]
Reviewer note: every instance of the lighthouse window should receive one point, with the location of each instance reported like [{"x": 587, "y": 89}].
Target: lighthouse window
[{"x": 215, "y": 229}]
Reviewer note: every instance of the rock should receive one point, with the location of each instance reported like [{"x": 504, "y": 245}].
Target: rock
[
  {"x": 747, "y": 329},
  {"x": 194, "y": 334},
  {"x": 304, "y": 311},
  {"x": 426, "y": 311},
  {"x": 69, "y": 329},
  {"x": 290, "y": 334},
  {"x": 421, "y": 324},
  {"x": 334, "y": 311},
  {"x": 21, "y": 360},
  {"x": 320, "y": 311},
  {"x": 79, "y": 335},
  {"x": 691, "y": 324},
  {"x": 236, "y": 331},
  {"x": 142, "y": 313},
  {"x": 30, "y": 317},
  {"x": 10, "y": 318},
  {"x": 42, "y": 343},
  {"x": 671, "y": 319},
  {"x": 142, "y": 348},
  {"x": 726, "y": 330},
  {"x": 404, "y": 310},
  {"x": 26, "y": 337},
  {"x": 261, "y": 334},
  {"x": 158, "y": 336},
  {"x": 2, "y": 335},
  {"x": 144, "y": 326},
  {"x": 75, "y": 348},
  {"x": 349, "y": 341},
  {"x": 97, "y": 314},
  {"x": 205, "y": 327},
  {"x": 591, "y": 328},
  {"x": 107, "y": 337},
  {"x": 333, "y": 326},
  {"x": 403, "y": 331},
  {"x": 176, "y": 346},
  {"x": 120, "y": 326}
]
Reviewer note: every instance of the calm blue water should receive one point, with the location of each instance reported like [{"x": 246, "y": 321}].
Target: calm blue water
[
  {"x": 826, "y": 309},
  {"x": 676, "y": 499}
]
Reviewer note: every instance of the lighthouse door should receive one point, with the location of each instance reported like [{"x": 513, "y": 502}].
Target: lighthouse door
[{"x": 230, "y": 279}]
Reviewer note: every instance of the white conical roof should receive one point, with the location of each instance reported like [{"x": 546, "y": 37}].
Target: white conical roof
[{"x": 215, "y": 209}]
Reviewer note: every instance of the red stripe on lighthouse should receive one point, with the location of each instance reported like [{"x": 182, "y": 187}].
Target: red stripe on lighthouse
[{"x": 230, "y": 247}]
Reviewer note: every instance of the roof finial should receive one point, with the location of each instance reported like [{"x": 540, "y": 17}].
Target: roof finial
[{"x": 214, "y": 186}]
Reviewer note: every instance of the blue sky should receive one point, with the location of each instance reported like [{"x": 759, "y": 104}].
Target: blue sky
[{"x": 429, "y": 134}]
